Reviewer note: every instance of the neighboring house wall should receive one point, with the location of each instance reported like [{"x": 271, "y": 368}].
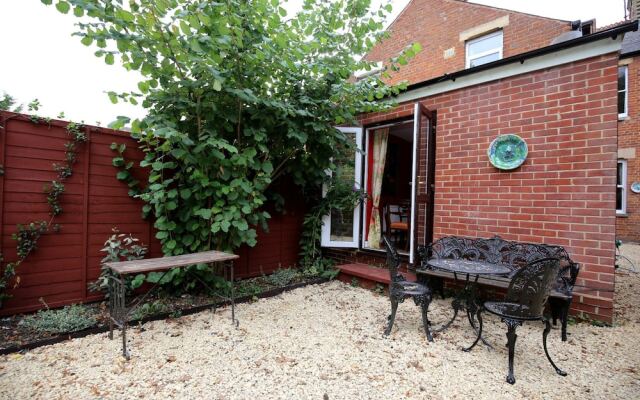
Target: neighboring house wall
[
  {"x": 444, "y": 25},
  {"x": 94, "y": 202},
  {"x": 628, "y": 226},
  {"x": 563, "y": 194}
]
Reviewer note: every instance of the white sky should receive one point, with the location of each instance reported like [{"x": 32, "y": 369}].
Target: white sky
[{"x": 40, "y": 59}]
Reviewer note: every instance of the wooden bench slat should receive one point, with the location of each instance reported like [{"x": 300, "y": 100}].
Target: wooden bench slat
[{"x": 164, "y": 263}]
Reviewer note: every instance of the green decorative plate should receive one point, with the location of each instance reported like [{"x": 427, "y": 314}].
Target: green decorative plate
[{"x": 507, "y": 152}]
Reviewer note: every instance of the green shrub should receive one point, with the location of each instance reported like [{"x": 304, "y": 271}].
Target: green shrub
[
  {"x": 68, "y": 319},
  {"x": 282, "y": 277},
  {"x": 149, "y": 309},
  {"x": 119, "y": 247}
]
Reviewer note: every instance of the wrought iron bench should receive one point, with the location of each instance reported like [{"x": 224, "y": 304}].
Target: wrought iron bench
[{"x": 514, "y": 255}]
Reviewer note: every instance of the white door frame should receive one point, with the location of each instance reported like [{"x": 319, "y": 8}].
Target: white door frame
[{"x": 325, "y": 240}]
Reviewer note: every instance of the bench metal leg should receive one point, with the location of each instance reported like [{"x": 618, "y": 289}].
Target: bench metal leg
[
  {"x": 117, "y": 310},
  {"x": 564, "y": 318}
]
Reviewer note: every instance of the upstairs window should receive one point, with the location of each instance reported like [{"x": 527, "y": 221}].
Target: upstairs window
[
  {"x": 621, "y": 188},
  {"x": 623, "y": 84},
  {"x": 484, "y": 49}
]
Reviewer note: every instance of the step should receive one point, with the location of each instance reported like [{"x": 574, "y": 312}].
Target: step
[{"x": 368, "y": 275}]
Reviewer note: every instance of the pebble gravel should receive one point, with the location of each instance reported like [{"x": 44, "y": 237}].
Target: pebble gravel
[{"x": 325, "y": 342}]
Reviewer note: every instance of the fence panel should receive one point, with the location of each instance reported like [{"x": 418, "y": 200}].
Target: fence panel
[{"x": 94, "y": 202}]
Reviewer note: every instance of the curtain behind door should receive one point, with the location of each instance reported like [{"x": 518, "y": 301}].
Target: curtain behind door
[{"x": 380, "y": 140}]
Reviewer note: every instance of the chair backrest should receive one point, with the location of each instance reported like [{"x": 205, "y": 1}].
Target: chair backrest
[
  {"x": 393, "y": 260},
  {"x": 531, "y": 284}
]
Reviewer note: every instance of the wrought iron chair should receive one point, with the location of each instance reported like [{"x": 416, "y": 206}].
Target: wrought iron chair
[
  {"x": 525, "y": 301},
  {"x": 401, "y": 289}
]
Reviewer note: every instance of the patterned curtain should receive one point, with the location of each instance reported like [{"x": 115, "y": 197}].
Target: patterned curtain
[{"x": 380, "y": 139}]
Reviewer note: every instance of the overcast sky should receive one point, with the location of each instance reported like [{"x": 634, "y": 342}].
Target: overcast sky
[{"x": 40, "y": 59}]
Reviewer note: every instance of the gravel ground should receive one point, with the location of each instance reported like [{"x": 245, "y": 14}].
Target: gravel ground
[{"x": 325, "y": 342}]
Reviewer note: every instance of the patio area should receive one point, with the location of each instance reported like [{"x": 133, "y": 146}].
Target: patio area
[{"x": 325, "y": 341}]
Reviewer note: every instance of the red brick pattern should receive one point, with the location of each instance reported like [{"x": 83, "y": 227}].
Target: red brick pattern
[
  {"x": 628, "y": 227},
  {"x": 563, "y": 194},
  {"x": 436, "y": 25}
]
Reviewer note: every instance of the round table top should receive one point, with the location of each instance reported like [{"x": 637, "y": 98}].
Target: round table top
[{"x": 468, "y": 267}]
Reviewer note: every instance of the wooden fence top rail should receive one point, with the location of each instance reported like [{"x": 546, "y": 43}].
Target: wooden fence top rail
[{"x": 164, "y": 263}]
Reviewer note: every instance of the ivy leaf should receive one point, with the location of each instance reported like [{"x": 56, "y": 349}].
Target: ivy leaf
[
  {"x": 185, "y": 194},
  {"x": 87, "y": 40},
  {"x": 63, "y": 7},
  {"x": 109, "y": 59}
]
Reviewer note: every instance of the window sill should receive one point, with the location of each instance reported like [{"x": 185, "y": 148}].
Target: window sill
[
  {"x": 622, "y": 214},
  {"x": 623, "y": 117}
]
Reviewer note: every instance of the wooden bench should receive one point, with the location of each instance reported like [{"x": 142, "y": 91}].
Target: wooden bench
[
  {"x": 119, "y": 311},
  {"x": 514, "y": 255}
]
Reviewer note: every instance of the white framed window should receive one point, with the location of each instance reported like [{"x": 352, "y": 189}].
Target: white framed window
[
  {"x": 484, "y": 49},
  {"x": 621, "y": 188},
  {"x": 623, "y": 92}
]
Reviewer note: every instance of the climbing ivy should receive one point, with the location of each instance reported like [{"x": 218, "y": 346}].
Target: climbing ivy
[{"x": 27, "y": 235}]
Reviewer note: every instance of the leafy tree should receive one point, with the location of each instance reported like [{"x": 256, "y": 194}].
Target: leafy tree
[{"x": 238, "y": 95}]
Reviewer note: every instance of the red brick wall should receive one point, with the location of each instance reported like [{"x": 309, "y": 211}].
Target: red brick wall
[
  {"x": 563, "y": 194},
  {"x": 628, "y": 227},
  {"x": 436, "y": 25}
]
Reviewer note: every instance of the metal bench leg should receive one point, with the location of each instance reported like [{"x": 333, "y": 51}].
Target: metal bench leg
[
  {"x": 117, "y": 310},
  {"x": 233, "y": 296},
  {"x": 564, "y": 318},
  {"x": 547, "y": 328}
]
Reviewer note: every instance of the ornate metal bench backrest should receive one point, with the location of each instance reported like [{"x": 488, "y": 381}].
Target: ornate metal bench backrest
[{"x": 514, "y": 255}]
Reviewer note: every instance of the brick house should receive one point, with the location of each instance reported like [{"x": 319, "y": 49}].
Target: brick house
[
  {"x": 628, "y": 202},
  {"x": 482, "y": 74}
]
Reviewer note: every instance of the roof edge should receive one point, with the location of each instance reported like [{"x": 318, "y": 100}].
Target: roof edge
[
  {"x": 510, "y": 10},
  {"x": 613, "y": 33}
]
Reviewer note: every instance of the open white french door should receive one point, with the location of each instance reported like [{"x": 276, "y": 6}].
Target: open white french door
[{"x": 341, "y": 229}]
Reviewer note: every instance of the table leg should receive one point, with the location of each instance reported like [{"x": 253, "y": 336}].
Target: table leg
[
  {"x": 233, "y": 296},
  {"x": 472, "y": 307}
]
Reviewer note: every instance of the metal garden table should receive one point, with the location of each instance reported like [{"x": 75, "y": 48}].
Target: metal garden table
[
  {"x": 119, "y": 310},
  {"x": 467, "y": 298}
]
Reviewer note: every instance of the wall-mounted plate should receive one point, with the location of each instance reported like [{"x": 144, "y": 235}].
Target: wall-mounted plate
[
  {"x": 635, "y": 187},
  {"x": 507, "y": 152}
]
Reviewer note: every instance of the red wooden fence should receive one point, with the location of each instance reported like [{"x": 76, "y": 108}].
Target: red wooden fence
[{"x": 94, "y": 202}]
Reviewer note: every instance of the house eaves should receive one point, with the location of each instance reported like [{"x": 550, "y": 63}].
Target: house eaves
[{"x": 599, "y": 43}]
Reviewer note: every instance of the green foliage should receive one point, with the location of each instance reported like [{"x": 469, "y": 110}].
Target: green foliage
[
  {"x": 68, "y": 319},
  {"x": 149, "y": 309},
  {"x": 119, "y": 247},
  {"x": 282, "y": 277},
  {"x": 8, "y": 103},
  {"x": 238, "y": 95},
  {"x": 54, "y": 191},
  {"x": 379, "y": 288},
  {"x": 355, "y": 282},
  {"x": 248, "y": 287},
  {"x": 339, "y": 198}
]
